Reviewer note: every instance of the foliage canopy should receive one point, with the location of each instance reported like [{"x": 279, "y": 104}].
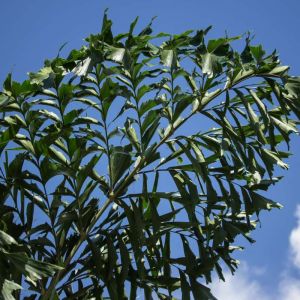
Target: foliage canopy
[{"x": 134, "y": 164}]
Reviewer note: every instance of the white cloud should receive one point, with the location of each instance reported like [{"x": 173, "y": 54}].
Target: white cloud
[
  {"x": 289, "y": 288},
  {"x": 245, "y": 284},
  {"x": 241, "y": 286},
  {"x": 295, "y": 241}
]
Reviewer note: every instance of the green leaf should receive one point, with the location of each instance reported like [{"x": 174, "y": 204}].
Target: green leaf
[
  {"x": 8, "y": 135},
  {"x": 147, "y": 105},
  {"x": 283, "y": 126},
  {"x": 257, "y": 52},
  {"x": 254, "y": 120},
  {"x": 86, "y": 171},
  {"x": 142, "y": 91},
  {"x": 125, "y": 259},
  {"x": 292, "y": 85},
  {"x": 210, "y": 65},
  {"x": 270, "y": 158},
  {"x": 57, "y": 155},
  {"x": 185, "y": 288},
  {"x": 261, "y": 202},
  {"x": 132, "y": 135},
  {"x": 169, "y": 58},
  {"x": 65, "y": 94},
  {"x": 119, "y": 55},
  {"x": 83, "y": 67},
  {"x": 120, "y": 162},
  {"x": 44, "y": 77},
  {"x": 262, "y": 108},
  {"x": 34, "y": 269},
  {"x": 6, "y": 239},
  {"x": 220, "y": 45},
  {"x": 49, "y": 169},
  {"x": 198, "y": 167},
  {"x": 8, "y": 288},
  {"x": 200, "y": 291}
]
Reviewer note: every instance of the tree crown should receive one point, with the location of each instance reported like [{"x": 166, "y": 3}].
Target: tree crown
[{"x": 135, "y": 164}]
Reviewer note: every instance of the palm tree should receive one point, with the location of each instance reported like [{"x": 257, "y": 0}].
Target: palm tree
[{"x": 132, "y": 165}]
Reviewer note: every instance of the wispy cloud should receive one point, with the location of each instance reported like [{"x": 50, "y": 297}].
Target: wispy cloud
[{"x": 246, "y": 284}]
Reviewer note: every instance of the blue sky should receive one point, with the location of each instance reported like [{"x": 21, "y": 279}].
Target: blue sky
[{"x": 33, "y": 30}]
